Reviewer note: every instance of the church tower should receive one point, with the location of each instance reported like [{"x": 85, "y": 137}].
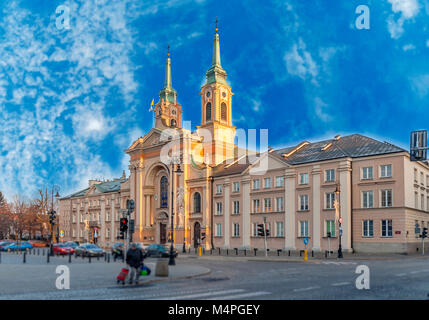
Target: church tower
[
  {"x": 168, "y": 113},
  {"x": 216, "y": 115}
]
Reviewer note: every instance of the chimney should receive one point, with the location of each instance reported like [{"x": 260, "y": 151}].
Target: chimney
[
  {"x": 93, "y": 182},
  {"x": 337, "y": 137}
]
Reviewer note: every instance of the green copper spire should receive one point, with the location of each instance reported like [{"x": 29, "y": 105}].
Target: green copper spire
[
  {"x": 216, "y": 73},
  {"x": 168, "y": 93}
]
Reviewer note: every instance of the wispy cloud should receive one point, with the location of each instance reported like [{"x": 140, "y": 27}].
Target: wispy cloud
[{"x": 403, "y": 10}]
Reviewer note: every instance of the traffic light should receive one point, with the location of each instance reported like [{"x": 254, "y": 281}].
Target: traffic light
[
  {"x": 261, "y": 230},
  {"x": 130, "y": 205},
  {"x": 123, "y": 225},
  {"x": 425, "y": 233},
  {"x": 52, "y": 217},
  {"x": 121, "y": 235},
  {"x": 267, "y": 232}
]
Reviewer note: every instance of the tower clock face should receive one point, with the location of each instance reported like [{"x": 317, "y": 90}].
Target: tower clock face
[
  {"x": 208, "y": 94},
  {"x": 224, "y": 94}
]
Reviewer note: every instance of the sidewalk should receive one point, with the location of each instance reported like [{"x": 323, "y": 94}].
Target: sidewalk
[{"x": 273, "y": 256}]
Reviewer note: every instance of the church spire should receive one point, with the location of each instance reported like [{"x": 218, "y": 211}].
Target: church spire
[
  {"x": 168, "y": 93},
  {"x": 216, "y": 73},
  {"x": 167, "y": 83}
]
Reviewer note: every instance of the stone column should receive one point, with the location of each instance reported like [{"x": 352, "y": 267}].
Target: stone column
[
  {"x": 246, "y": 212},
  {"x": 345, "y": 203},
  {"x": 147, "y": 211},
  {"x": 316, "y": 208},
  {"x": 290, "y": 210},
  {"x": 227, "y": 198}
]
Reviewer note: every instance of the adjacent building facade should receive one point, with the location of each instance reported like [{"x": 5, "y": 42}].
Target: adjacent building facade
[{"x": 215, "y": 194}]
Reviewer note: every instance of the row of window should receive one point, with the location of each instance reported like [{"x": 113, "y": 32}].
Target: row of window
[
  {"x": 96, "y": 216},
  {"x": 421, "y": 204},
  {"x": 422, "y": 177},
  {"x": 303, "y": 230},
  {"x": 267, "y": 206},
  {"x": 96, "y": 203},
  {"x": 256, "y": 184},
  {"x": 223, "y": 111}
]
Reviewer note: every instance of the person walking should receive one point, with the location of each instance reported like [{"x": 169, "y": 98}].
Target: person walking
[{"x": 134, "y": 261}]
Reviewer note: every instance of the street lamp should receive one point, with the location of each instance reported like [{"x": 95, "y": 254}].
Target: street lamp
[
  {"x": 171, "y": 261},
  {"x": 340, "y": 220}
]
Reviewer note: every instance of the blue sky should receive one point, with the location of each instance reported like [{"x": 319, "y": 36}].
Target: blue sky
[{"x": 72, "y": 100}]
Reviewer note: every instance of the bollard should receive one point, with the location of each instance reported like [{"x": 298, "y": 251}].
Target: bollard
[
  {"x": 219, "y": 251},
  {"x": 108, "y": 258},
  {"x": 305, "y": 255},
  {"x": 70, "y": 257},
  {"x": 245, "y": 252},
  {"x": 300, "y": 253},
  {"x": 204, "y": 251},
  {"x": 89, "y": 258},
  {"x": 24, "y": 257},
  {"x": 326, "y": 254},
  {"x": 289, "y": 253},
  {"x": 199, "y": 251},
  {"x": 236, "y": 251},
  {"x": 226, "y": 251},
  {"x": 255, "y": 251},
  {"x": 312, "y": 253},
  {"x": 47, "y": 258}
]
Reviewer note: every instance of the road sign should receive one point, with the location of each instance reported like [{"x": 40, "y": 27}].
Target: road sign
[
  {"x": 61, "y": 233},
  {"x": 341, "y": 231},
  {"x": 306, "y": 240}
]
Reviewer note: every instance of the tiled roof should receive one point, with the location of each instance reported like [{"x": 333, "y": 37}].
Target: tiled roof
[
  {"x": 353, "y": 146},
  {"x": 104, "y": 187}
]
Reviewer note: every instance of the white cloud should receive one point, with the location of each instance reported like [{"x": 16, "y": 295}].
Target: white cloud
[
  {"x": 420, "y": 85},
  {"x": 427, "y": 43},
  {"x": 409, "y": 47},
  {"x": 407, "y": 9},
  {"x": 299, "y": 61},
  {"x": 320, "y": 110}
]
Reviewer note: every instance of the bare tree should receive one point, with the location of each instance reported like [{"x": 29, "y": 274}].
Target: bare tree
[{"x": 4, "y": 217}]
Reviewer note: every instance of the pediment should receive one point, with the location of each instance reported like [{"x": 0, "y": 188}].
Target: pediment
[{"x": 265, "y": 162}]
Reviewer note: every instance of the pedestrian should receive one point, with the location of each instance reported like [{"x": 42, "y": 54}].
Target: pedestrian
[{"x": 134, "y": 261}]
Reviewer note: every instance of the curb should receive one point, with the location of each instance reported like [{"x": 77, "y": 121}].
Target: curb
[{"x": 166, "y": 279}]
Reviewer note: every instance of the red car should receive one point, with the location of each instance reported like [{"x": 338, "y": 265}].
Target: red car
[{"x": 62, "y": 249}]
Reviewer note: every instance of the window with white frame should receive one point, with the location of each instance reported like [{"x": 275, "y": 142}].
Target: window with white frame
[
  {"x": 415, "y": 175},
  {"x": 74, "y": 218},
  {"x": 236, "y": 207},
  {"x": 427, "y": 204},
  {"x": 107, "y": 233},
  {"x": 303, "y": 178},
  {"x": 267, "y": 204},
  {"x": 422, "y": 177},
  {"x": 256, "y": 205},
  {"x": 330, "y": 200},
  {"x": 256, "y": 184},
  {"x": 386, "y": 228},
  {"x": 107, "y": 216},
  {"x": 254, "y": 229},
  {"x": 81, "y": 218},
  {"x": 81, "y": 233},
  {"x": 367, "y": 199},
  {"x": 235, "y": 230},
  {"x": 73, "y": 233},
  {"x": 422, "y": 201},
  {"x": 218, "y": 230},
  {"x": 303, "y": 228},
  {"x": 386, "y": 198},
  {"x": 303, "y": 202},
  {"x": 330, "y": 175},
  {"x": 280, "y": 230},
  {"x": 280, "y": 181},
  {"x": 236, "y": 186},
  {"x": 280, "y": 204},
  {"x": 219, "y": 208},
  {"x": 368, "y": 228},
  {"x": 330, "y": 227},
  {"x": 367, "y": 173},
  {"x": 218, "y": 189},
  {"x": 386, "y": 171},
  {"x": 267, "y": 183}
]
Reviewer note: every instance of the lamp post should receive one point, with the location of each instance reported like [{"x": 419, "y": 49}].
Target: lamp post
[
  {"x": 340, "y": 220},
  {"x": 171, "y": 261}
]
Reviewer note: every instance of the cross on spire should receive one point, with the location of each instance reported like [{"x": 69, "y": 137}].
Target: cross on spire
[
  {"x": 216, "y": 24},
  {"x": 168, "y": 51}
]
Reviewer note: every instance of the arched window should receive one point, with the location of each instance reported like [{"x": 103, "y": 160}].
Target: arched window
[
  {"x": 223, "y": 111},
  {"x": 208, "y": 111},
  {"x": 164, "y": 192},
  {"x": 173, "y": 123},
  {"x": 197, "y": 203}
]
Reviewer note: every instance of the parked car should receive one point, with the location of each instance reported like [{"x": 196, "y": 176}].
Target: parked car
[
  {"x": 89, "y": 249},
  {"x": 5, "y": 243},
  {"x": 62, "y": 249},
  {"x": 17, "y": 246},
  {"x": 38, "y": 243},
  {"x": 159, "y": 250},
  {"x": 117, "y": 250},
  {"x": 72, "y": 244}
]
